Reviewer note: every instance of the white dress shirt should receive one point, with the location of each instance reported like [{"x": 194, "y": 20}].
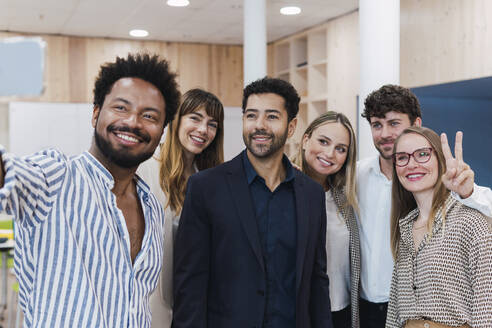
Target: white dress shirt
[{"x": 374, "y": 195}]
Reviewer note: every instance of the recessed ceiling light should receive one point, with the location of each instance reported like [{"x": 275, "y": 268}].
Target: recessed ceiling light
[
  {"x": 139, "y": 33},
  {"x": 178, "y": 3},
  {"x": 290, "y": 10}
]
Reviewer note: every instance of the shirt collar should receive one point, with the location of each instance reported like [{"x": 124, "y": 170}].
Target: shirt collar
[
  {"x": 99, "y": 169},
  {"x": 107, "y": 178},
  {"x": 251, "y": 173}
]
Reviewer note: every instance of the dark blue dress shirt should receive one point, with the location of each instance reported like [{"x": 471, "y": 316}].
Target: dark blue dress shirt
[{"x": 276, "y": 218}]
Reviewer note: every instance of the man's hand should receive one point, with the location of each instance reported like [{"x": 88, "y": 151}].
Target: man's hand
[{"x": 459, "y": 177}]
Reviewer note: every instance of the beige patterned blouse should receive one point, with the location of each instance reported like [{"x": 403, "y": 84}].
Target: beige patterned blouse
[{"x": 448, "y": 280}]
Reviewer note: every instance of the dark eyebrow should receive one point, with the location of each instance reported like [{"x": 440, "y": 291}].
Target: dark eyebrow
[
  {"x": 323, "y": 136},
  {"x": 341, "y": 144},
  {"x": 122, "y": 100},
  {"x": 197, "y": 113},
  {"x": 151, "y": 109}
]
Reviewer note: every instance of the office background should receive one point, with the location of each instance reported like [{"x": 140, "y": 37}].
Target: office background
[{"x": 441, "y": 41}]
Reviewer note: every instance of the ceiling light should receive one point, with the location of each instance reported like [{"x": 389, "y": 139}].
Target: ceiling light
[
  {"x": 139, "y": 33},
  {"x": 290, "y": 10},
  {"x": 178, "y": 3}
]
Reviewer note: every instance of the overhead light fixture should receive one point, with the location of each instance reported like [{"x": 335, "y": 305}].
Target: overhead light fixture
[
  {"x": 178, "y": 3},
  {"x": 139, "y": 33},
  {"x": 292, "y": 10}
]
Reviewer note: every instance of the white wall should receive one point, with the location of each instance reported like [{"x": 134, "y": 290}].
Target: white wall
[
  {"x": 67, "y": 127},
  {"x": 36, "y": 126},
  {"x": 4, "y": 124}
]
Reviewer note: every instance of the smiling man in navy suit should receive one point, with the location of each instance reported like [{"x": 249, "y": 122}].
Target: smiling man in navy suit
[{"x": 250, "y": 247}]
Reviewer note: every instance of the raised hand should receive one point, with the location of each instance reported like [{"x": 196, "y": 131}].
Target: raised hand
[{"x": 459, "y": 177}]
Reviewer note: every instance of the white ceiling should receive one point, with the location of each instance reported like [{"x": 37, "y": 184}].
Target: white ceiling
[{"x": 206, "y": 21}]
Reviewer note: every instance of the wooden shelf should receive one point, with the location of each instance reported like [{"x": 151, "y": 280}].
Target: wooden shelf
[
  {"x": 282, "y": 56},
  {"x": 302, "y": 60}
]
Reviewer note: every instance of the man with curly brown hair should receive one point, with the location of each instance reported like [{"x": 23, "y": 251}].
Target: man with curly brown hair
[{"x": 390, "y": 110}]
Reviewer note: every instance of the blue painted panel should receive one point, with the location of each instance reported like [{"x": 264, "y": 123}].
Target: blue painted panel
[
  {"x": 21, "y": 67},
  {"x": 471, "y": 115}
]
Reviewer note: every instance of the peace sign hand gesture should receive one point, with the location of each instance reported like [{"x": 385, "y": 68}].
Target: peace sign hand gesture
[{"x": 459, "y": 177}]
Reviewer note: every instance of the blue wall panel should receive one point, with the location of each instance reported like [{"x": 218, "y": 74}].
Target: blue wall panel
[{"x": 471, "y": 115}]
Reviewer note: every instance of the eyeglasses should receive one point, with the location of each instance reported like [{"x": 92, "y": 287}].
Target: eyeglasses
[{"x": 421, "y": 156}]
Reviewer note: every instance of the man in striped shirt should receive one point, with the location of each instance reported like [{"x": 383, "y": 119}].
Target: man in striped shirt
[{"x": 88, "y": 232}]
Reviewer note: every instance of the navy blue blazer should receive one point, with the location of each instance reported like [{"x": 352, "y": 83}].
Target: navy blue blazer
[{"x": 219, "y": 273}]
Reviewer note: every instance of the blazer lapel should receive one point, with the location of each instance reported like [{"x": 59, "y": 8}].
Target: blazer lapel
[
  {"x": 302, "y": 217},
  {"x": 242, "y": 200}
]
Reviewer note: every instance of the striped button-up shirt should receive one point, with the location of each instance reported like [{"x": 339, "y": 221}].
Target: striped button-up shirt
[
  {"x": 72, "y": 247},
  {"x": 448, "y": 280}
]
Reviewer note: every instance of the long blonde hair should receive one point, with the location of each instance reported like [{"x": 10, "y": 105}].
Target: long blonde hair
[
  {"x": 171, "y": 172},
  {"x": 402, "y": 200},
  {"x": 344, "y": 179}
]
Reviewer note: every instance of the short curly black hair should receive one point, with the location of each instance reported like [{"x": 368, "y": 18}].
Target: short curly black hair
[
  {"x": 389, "y": 98},
  {"x": 149, "y": 68},
  {"x": 277, "y": 86}
]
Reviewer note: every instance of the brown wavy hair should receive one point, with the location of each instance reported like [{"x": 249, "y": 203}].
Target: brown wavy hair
[
  {"x": 389, "y": 98},
  {"x": 171, "y": 172},
  {"x": 402, "y": 200},
  {"x": 344, "y": 179}
]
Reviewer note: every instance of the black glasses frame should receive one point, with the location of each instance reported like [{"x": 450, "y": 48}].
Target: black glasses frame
[{"x": 413, "y": 155}]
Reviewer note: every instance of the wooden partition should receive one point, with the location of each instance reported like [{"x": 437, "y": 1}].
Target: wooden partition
[{"x": 72, "y": 64}]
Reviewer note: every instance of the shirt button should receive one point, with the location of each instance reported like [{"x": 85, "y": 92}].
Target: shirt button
[
  {"x": 133, "y": 311},
  {"x": 426, "y": 325},
  {"x": 261, "y": 293}
]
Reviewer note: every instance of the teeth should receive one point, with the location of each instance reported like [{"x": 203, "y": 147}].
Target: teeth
[
  {"x": 261, "y": 138},
  {"x": 325, "y": 162},
  {"x": 127, "y": 138},
  {"x": 198, "y": 139},
  {"x": 413, "y": 176}
]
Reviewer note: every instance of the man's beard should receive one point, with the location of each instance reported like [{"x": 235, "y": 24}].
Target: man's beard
[
  {"x": 121, "y": 157},
  {"x": 381, "y": 151},
  {"x": 266, "y": 150}
]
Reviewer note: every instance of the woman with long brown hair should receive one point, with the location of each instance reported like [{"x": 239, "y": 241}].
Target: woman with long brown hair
[
  {"x": 194, "y": 141},
  {"x": 442, "y": 249},
  {"x": 328, "y": 155}
]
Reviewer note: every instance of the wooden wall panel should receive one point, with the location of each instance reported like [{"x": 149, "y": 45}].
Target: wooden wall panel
[
  {"x": 444, "y": 41},
  {"x": 343, "y": 65},
  {"x": 72, "y": 64}
]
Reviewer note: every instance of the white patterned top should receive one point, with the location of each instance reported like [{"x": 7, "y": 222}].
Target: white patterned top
[{"x": 448, "y": 280}]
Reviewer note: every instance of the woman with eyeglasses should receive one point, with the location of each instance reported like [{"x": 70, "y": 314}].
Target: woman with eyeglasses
[
  {"x": 328, "y": 155},
  {"x": 194, "y": 141},
  {"x": 442, "y": 249}
]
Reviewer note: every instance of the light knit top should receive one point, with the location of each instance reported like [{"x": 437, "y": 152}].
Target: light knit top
[
  {"x": 448, "y": 279},
  {"x": 161, "y": 301},
  {"x": 338, "y": 256}
]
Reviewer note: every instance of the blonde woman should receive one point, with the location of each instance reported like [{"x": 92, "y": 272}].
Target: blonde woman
[
  {"x": 328, "y": 156},
  {"x": 193, "y": 142},
  {"x": 442, "y": 249}
]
